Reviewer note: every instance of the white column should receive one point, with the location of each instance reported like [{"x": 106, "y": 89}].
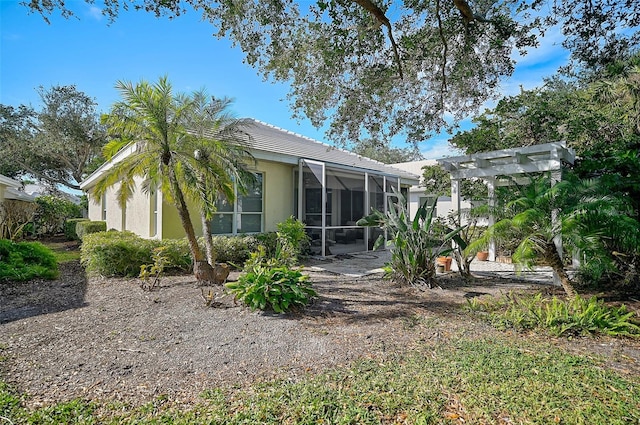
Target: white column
[
  {"x": 556, "y": 176},
  {"x": 491, "y": 186},
  {"x": 455, "y": 197}
]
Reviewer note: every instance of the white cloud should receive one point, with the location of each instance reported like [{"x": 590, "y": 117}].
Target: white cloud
[
  {"x": 438, "y": 147},
  {"x": 95, "y": 13}
]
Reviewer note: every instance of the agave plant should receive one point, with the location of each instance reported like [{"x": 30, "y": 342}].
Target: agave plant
[{"x": 414, "y": 243}]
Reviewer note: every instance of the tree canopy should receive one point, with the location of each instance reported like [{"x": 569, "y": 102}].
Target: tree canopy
[
  {"x": 57, "y": 144},
  {"x": 379, "y": 68}
]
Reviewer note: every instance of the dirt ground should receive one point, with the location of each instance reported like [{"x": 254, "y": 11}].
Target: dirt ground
[{"x": 108, "y": 339}]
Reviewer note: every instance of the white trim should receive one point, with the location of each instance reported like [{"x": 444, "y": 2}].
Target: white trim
[{"x": 8, "y": 181}]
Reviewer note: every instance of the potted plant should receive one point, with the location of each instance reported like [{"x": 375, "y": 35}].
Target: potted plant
[
  {"x": 445, "y": 262},
  {"x": 482, "y": 255}
]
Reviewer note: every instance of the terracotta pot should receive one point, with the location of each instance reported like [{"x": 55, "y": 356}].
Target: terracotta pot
[
  {"x": 482, "y": 255},
  {"x": 444, "y": 261}
]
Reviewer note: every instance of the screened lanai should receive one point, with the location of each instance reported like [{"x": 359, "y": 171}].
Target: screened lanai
[{"x": 332, "y": 198}]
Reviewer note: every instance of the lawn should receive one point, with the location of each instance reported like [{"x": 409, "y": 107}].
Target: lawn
[{"x": 465, "y": 381}]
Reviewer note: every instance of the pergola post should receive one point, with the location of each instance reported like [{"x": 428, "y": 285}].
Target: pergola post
[
  {"x": 455, "y": 197},
  {"x": 491, "y": 186},
  {"x": 556, "y": 177}
]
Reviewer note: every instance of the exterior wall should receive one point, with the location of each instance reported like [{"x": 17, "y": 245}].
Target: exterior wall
[
  {"x": 171, "y": 224},
  {"x": 135, "y": 217},
  {"x": 94, "y": 211},
  {"x": 277, "y": 201},
  {"x": 138, "y": 212},
  {"x": 443, "y": 208},
  {"x": 2, "y": 192},
  {"x": 277, "y": 193}
]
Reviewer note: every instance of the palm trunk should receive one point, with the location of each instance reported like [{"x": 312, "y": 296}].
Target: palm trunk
[
  {"x": 208, "y": 240},
  {"x": 201, "y": 268},
  {"x": 553, "y": 259}
]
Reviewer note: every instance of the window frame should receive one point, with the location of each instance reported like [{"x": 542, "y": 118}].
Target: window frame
[{"x": 236, "y": 213}]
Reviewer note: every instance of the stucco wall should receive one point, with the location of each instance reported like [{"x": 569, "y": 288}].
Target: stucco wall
[
  {"x": 137, "y": 213},
  {"x": 277, "y": 193},
  {"x": 135, "y": 217},
  {"x": 94, "y": 212}
]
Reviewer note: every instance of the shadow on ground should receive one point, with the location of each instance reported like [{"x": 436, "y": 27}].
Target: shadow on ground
[{"x": 21, "y": 300}]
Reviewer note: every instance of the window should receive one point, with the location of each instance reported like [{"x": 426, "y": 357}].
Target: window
[
  {"x": 103, "y": 206},
  {"x": 243, "y": 216}
]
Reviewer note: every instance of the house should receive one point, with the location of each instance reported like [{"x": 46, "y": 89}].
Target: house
[
  {"x": 10, "y": 189},
  {"x": 417, "y": 194},
  {"x": 327, "y": 188}
]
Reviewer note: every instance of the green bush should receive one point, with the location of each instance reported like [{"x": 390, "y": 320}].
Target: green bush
[
  {"x": 414, "y": 243},
  {"x": 269, "y": 241},
  {"x": 268, "y": 285},
  {"x": 292, "y": 231},
  {"x": 26, "y": 260},
  {"x": 234, "y": 249},
  {"x": 116, "y": 253},
  {"x": 272, "y": 282},
  {"x": 52, "y": 212},
  {"x": 571, "y": 317},
  {"x": 70, "y": 228},
  {"x": 84, "y": 228}
]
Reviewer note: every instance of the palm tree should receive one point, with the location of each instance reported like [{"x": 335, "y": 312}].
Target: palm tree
[
  {"x": 585, "y": 218},
  {"x": 167, "y": 131},
  {"x": 219, "y": 143}
]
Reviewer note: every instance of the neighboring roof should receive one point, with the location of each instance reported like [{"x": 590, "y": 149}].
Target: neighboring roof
[
  {"x": 7, "y": 181},
  {"x": 268, "y": 142},
  {"x": 18, "y": 195},
  {"x": 415, "y": 167}
]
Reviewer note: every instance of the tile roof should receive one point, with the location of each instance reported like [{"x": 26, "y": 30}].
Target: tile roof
[
  {"x": 267, "y": 139},
  {"x": 268, "y": 142}
]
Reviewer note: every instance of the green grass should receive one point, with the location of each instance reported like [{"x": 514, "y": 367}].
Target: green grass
[
  {"x": 487, "y": 381},
  {"x": 62, "y": 254}
]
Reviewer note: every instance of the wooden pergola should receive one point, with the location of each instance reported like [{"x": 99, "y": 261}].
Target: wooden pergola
[{"x": 503, "y": 168}]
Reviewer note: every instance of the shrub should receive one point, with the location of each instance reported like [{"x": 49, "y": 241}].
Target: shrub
[
  {"x": 52, "y": 213},
  {"x": 84, "y": 228},
  {"x": 269, "y": 241},
  {"x": 415, "y": 243},
  {"x": 16, "y": 218},
  {"x": 234, "y": 249},
  {"x": 70, "y": 228},
  {"x": 575, "y": 316},
  {"x": 26, "y": 260},
  {"x": 116, "y": 253},
  {"x": 293, "y": 232},
  {"x": 266, "y": 284}
]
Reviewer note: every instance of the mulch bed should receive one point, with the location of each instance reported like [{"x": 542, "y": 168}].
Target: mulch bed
[{"x": 108, "y": 339}]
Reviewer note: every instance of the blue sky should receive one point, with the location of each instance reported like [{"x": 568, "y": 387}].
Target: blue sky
[{"x": 93, "y": 55}]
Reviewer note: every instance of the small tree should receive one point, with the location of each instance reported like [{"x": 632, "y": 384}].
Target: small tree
[
  {"x": 52, "y": 212},
  {"x": 468, "y": 233},
  {"x": 415, "y": 243},
  {"x": 14, "y": 216},
  {"x": 584, "y": 219}
]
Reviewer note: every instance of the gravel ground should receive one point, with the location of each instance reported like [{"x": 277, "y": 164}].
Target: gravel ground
[{"x": 109, "y": 339}]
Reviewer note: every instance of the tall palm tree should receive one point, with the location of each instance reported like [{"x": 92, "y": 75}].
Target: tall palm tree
[{"x": 160, "y": 123}]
